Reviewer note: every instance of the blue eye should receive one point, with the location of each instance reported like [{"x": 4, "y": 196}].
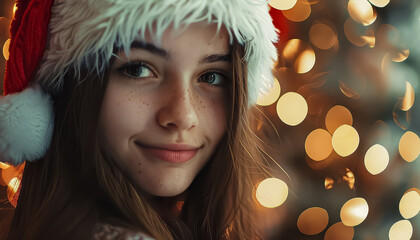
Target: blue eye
[
  {"x": 213, "y": 78},
  {"x": 137, "y": 70}
]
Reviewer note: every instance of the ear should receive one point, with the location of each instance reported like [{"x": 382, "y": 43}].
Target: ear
[{"x": 26, "y": 125}]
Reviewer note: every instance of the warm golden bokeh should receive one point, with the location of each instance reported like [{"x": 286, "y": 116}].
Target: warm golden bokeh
[
  {"x": 345, "y": 140},
  {"x": 336, "y": 117},
  {"x": 354, "y": 212},
  {"x": 410, "y": 204},
  {"x": 409, "y": 97},
  {"x": 322, "y": 36},
  {"x": 339, "y": 231},
  {"x": 328, "y": 183},
  {"x": 12, "y": 188},
  {"x": 348, "y": 92},
  {"x": 4, "y": 165},
  {"x": 270, "y": 97},
  {"x": 312, "y": 221},
  {"x": 305, "y": 61},
  {"x": 409, "y": 146},
  {"x": 282, "y": 4},
  {"x": 376, "y": 159},
  {"x": 401, "y": 230},
  {"x": 361, "y": 11},
  {"x": 379, "y": 3},
  {"x": 318, "y": 144},
  {"x": 292, "y": 49},
  {"x": 272, "y": 192},
  {"x": 358, "y": 35},
  {"x": 292, "y": 108},
  {"x": 6, "y": 49},
  {"x": 400, "y": 56},
  {"x": 300, "y": 12},
  {"x": 348, "y": 178}
]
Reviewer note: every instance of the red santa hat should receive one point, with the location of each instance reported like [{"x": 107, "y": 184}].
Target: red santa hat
[{"x": 52, "y": 37}]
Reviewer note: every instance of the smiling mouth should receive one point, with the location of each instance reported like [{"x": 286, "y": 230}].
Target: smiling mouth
[{"x": 172, "y": 153}]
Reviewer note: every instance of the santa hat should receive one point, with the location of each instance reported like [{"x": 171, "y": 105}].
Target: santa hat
[{"x": 52, "y": 37}]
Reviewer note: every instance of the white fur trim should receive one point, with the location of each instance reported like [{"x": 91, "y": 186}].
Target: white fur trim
[
  {"x": 83, "y": 33},
  {"x": 26, "y": 124}
]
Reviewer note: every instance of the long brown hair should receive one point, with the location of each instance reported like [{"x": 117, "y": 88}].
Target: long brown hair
[{"x": 74, "y": 186}]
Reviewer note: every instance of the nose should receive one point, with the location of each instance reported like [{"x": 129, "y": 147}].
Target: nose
[{"x": 178, "y": 111}]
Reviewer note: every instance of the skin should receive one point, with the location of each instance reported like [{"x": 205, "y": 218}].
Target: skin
[{"x": 165, "y": 98}]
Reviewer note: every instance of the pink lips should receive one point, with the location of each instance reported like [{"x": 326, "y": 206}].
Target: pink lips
[{"x": 172, "y": 153}]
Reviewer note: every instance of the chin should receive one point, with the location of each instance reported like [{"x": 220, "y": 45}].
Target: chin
[{"x": 170, "y": 188}]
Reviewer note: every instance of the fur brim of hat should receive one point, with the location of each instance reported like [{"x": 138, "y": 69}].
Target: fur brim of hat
[
  {"x": 83, "y": 34},
  {"x": 26, "y": 121}
]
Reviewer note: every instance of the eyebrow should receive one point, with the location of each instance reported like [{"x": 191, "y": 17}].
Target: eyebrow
[
  {"x": 151, "y": 48},
  {"x": 212, "y": 58}
]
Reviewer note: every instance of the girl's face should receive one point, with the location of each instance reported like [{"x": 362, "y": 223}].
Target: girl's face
[{"x": 164, "y": 110}]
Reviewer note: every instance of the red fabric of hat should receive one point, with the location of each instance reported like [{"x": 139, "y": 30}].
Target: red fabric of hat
[{"x": 28, "y": 34}]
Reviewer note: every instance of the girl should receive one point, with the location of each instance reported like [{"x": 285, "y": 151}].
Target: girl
[{"x": 132, "y": 117}]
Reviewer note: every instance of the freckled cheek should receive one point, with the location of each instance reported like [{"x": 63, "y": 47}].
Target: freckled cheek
[{"x": 212, "y": 114}]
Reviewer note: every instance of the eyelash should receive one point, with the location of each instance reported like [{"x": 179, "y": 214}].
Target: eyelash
[
  {"x": 137, "y": 65},
  {"x": 213, "y": 71},
  {"x": 124, "y": 68}
]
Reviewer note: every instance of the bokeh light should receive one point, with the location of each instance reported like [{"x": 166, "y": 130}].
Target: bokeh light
[
  {"x": 339, "y": 231},
  {"x": 272, "y": 192},
  {"x": 410, "y": 204},
  {"x": 359, "y": 36},
  {"x": 318, "y": 144},
  {"x": 292, "y": 108},
  {"x": 401, "y": 230},
  {"x": 400, "y": 56},
  {"x": 409, "y": 146},
  {"x": 6, "y": 49},
  {"x": 312, "y": 221},
  {"x": 292, "y": 48},
  {"x": 322, "y": 36},
  {"x": 272, "y": 95},
  {"x": 345, "y": 140},
  {"x": 329, "y": 183},
  {"x": 300, "y": 12},
  {"x": 379, "y": 3},
  {"x": 376, "y": 159},
  {"x": 12, "y": 188},
  {"x": 4, "y": 165},
  {"x": 408, "y": 99},
  {"x": 348, "y": 92},
  {"x": 354, "y": 212},
  {"x": 348, "y": 178},
  {"x": 336, "y": 117},
  {"x": 361, "y": 11},
  {"x": 305, "y": 61},
  {"x": 282, "y": 4}
]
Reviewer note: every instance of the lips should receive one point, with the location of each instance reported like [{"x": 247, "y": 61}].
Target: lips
[{"x": 172, "y": 153}]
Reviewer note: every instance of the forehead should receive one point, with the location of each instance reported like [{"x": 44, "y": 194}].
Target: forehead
[{"x": 207, "y": 37}]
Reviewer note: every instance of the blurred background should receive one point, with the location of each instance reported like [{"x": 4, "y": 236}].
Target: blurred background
[{"x": 342, "y": 121}]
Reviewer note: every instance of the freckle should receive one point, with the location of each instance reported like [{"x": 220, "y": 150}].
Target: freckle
[
  {"x": 139, "y": 163},
  {"x": 139, "y": 172},
  {"x": 129, "y": 99}
]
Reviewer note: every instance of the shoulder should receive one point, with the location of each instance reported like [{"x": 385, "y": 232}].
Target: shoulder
[{"x": 104, "y": 231}]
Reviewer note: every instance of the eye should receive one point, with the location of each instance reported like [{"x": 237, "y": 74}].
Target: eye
[
  {"x": 137, "y": 70},
  {"x": 213, "y": 78}
]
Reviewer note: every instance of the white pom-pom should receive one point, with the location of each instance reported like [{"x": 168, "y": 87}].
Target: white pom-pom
[{"x": 26, "y": 125}]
